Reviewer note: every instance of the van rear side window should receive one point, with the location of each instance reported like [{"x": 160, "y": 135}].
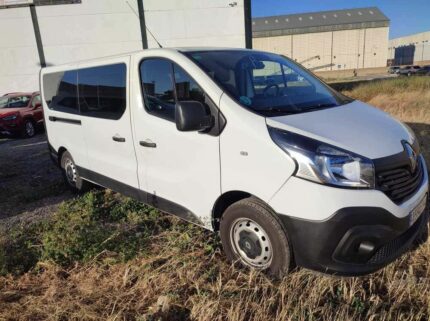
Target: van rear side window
[
  {"x": 102, "y": 91},
  {"x": 61, "y": 91},
  {"x": 95, "y": 92}
]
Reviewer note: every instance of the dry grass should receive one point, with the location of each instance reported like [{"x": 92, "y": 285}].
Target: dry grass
[
  {"x": 195, "y": 284},
  {"x": 182, "y": 273}
]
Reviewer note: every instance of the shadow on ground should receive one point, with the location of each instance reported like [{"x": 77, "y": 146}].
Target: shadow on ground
[{"x": 29, "y": 181}]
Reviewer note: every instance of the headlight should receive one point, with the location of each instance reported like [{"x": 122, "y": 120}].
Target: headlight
[
  {"x": 11, "y": 117},
  {"x": 322, "y": 163}
]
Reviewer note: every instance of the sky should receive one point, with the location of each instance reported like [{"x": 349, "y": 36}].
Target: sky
[{"x": 407, "y": 16}]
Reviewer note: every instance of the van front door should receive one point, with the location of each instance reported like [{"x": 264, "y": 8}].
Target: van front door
[
  {"x": 104, "y": 106},
  {"x": 180, "y": 171}
]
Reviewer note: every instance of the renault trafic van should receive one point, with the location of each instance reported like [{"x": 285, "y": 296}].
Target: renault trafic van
[{"x": 245, "y": 143}]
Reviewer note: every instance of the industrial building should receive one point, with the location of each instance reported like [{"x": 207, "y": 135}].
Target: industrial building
[
  {"x": 328, "y": 40},
  {"x": 51, "y": 32},
  {"x": 412, "y": 49}
]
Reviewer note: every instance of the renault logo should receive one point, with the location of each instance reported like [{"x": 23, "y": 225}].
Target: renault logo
[{"x": 412, "y": 156}]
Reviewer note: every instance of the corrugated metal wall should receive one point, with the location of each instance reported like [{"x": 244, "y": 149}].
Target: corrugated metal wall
[{"x": 337, "y": 50}]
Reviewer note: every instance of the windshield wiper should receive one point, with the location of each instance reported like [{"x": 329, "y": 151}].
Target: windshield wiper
[
  {"x": 319, "y": 106},
  {"x": 276, "y": 110}
]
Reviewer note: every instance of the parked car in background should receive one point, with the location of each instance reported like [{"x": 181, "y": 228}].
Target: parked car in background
[
  {"x": 393, "y": 70},
  {"x": 409, "y": 70},
  {"x": 20, "y": 114},
  {"x": 424, "y": 71}
]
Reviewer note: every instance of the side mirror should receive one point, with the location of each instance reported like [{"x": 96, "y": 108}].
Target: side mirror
[
  {"x": 192, "y": 116},
  {"x": 37, "y": 105},
  {"x": 291, "y": 77}
]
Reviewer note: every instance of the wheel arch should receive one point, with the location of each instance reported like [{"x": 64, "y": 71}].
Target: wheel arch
[
  {"x": 60, "y": 153},
  {"x": 224, "y": 201}
]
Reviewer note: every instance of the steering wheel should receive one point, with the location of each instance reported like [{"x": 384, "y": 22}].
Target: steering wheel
[{"x": 270, "y": 86}]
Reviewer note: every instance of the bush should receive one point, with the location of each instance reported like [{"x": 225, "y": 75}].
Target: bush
[
  {"x": 20, "y": 248},
  {"x": 95, "y": 223},
  {"x": 81, "y": 230}
]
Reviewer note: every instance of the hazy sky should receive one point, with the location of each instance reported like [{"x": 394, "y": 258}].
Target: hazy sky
[{"x": 407, "y": 16}]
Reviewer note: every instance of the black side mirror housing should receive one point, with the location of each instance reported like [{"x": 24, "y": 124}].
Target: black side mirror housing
[{"x": 192, "y": 116}]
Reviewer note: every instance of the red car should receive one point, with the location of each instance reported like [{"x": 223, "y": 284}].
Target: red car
[{"x": 20, "y": 114}]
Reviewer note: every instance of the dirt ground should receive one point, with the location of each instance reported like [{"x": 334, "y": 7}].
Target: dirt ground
[{"x": 30, "y": 184}]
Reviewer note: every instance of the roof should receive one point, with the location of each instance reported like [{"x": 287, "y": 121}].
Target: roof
[{"x": 359, "y": 18}]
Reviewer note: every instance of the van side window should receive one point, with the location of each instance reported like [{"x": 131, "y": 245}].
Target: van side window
[
  {"x": 157, "y": 85},
  {"x": 61, "y": 91},
  {"x": 186, "y": 87},
  {"x": 102, "y": 91}
]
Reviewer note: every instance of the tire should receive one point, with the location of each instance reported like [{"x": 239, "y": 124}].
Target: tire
[
  {"x": 252, "y": 235},
  {"x": 71, "y": 175},
  {"x": 29, "y": 129}
]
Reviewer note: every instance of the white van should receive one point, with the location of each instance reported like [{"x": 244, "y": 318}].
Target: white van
[{"x": 246, "y": 143}]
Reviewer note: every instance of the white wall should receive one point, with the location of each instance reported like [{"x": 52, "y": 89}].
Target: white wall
[
  {"x": 183, "y": 23},
  {"x": 94, "y": 28},
  {"x": 18, "y": 54},
  {"x": 421, "y": 42},
  {"x": 97, "y": 28}
]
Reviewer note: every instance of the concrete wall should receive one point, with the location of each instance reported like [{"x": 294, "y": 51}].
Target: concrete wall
[
  {"x": 337, "y": 50},
  {"x": 18, "y": 53},
  {"x": 410, "y": 49},
  {"x": 179, "y": 23},
  {"x": 94, "y": 28},
  {"x": 98, "y": 28}
]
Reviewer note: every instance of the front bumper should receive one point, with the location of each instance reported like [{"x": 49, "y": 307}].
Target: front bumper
[
  {"x": 356, "y": 241},
  {"x": 9, "y": 128},
  {"x": 345, "y": 231}
]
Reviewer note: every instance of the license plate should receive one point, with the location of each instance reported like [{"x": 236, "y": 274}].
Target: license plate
[{"x": 417, "y": 211}]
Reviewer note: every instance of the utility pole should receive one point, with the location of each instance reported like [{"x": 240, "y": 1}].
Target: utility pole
[
  {"x": 37, "y": 35},
  {"x": 142, "y": 24},
  {"x": 248, "y": 23}
]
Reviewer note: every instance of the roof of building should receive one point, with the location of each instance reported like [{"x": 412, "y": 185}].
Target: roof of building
[{"x": 321, "y": 21}]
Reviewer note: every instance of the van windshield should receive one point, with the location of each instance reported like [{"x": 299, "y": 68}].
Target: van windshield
[{"x": 269, "y": 84}]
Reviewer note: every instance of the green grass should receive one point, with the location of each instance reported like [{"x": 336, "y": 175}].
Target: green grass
[{"x": 100, "y": 222}]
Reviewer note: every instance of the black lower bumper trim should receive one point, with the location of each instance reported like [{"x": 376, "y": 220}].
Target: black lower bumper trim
[{"x": 355, "y": 241}]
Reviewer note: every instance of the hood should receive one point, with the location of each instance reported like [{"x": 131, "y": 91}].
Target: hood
[
  {"x": 355, "y": 127},
  {"x": 7, "y": 111}
]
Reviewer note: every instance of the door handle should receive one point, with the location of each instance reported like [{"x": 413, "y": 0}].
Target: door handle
[
  {"x": 147, "y": 144},
  {"x": 118, "y": 139}
]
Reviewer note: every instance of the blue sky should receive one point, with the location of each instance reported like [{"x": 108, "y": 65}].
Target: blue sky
[{"x": 407, "y": 16}]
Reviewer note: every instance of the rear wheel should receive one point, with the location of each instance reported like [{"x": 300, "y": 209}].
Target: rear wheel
[
  {"x": 29, "y": 129},
  {"x": 71, "y": 174},
  {"x": 252, "y": 235}
]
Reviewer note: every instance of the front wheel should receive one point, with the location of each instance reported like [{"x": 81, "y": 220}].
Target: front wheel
[
  {"x": 252, "y": 235},
  {"x": 29, "y": 129},
  {"x": 71, "y": 174}
]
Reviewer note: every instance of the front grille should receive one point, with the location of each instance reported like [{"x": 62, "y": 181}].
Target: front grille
[{"x": 400, "y": 183}]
